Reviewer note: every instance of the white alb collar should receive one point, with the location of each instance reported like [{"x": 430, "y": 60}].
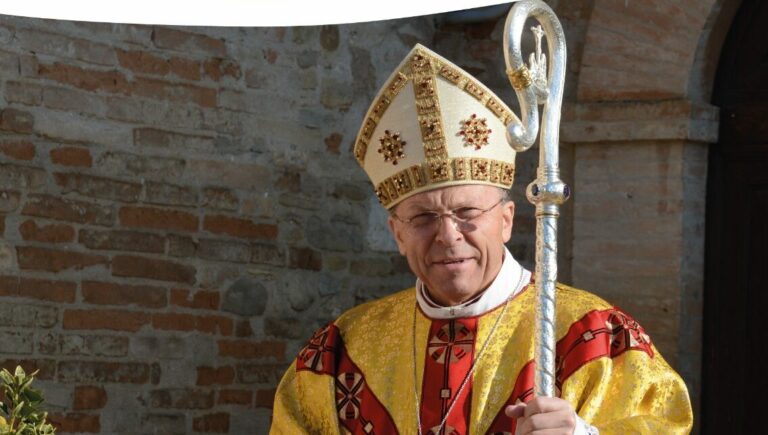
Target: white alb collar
[{"x": 512, "y": 278}]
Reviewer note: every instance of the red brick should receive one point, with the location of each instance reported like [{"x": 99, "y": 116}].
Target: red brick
[
  {"x": 88, "y": 79},
  {"x": 243, "y": 329},
  {"x": 55, "y": 260},
  {"x": 180, "y": 40},
  {"x": 174, "y": 92},
  {"x": 122, "y": 241},
  {"x": 18, "y": 149},
  {"x": 99, "y": 372},
  {"x": 210, "y": 324},
  {"x": 72, "y": 156},
  {"x": 245, "y": 349},
  {"x": 108, "y": 293},
  {"x": 170, "y": 194},
  {"x": 67, "y": 210},
  {"x": 202, "y": 299},
  {"x": 2, "y": 225},
  {"x": 16, "y": 120},
  {"x": 220, "y": 198},
  {"x": 218, "y": 68},
  {"x": 207, "y": 376},
  {"x": 53, "y": 291},
  {"x": 162, "y": 270},
  {"x": 89, "y": 397},
  {"x": 239, "y": 227},
  {"x": 105, "y": 319},
  {"x": 98, "y": 187},
  {"x": 265, "y": 398},
  {"x": 158, "y": 218},
  {"x": 142, "y": 62},
  {"x": 185, "y": 68},
  {"x": 235, "y": 397},
  {"x": 36, "y": 40},
  {"x": 212, "y": 423},
  {"x": 156, "y": 138},
  {"x": 23, "y": 92},
  {"x": 50, "y": 233},
  {"x": 75, "y": 423}
]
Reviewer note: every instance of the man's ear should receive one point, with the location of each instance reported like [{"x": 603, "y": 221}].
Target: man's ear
[
  {"x": 507, "y": 217},
  {"x": 397, "y": 234}
]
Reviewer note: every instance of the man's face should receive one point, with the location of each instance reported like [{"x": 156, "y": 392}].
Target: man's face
[{"x": 455, "y": 261}]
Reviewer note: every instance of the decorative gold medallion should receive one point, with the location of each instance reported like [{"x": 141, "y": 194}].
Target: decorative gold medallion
[
  {"x": 475, "y": 131},
  {"x": 391, "y": 147}
]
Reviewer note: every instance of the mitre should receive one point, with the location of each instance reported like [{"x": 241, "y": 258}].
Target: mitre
[{"x": 433, "y": 125}]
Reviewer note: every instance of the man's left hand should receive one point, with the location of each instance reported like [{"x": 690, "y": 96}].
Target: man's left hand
[{"x": 543, "y": 415}]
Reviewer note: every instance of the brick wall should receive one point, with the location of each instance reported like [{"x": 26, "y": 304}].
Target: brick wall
[{"x": 180, "y": 210}]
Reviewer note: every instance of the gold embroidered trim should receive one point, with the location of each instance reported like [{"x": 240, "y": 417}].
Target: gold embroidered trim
[
  {"x": 475, "y": 90},
  {"x": 499, "y": 110},
  {"x": 495, "y": 172},
  {"x": 520, "y": 78},
  {"x": 451, "y": 74},
  {"x": 423, "y": 69},
  {"x": 397, "y": 83}
]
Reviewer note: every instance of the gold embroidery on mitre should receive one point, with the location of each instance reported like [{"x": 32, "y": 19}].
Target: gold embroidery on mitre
[
  {"x": 394, "y": 87},
  {"x": 402, "y": 183},
  {"x": 475, "y": 131},
  {"x": 439, "y": 170},
  {"x": 498, "y": 109},
  {"x": 451, "y": 74},
  {"x": 475, "y": 90},
  {"x": 460, "y": 171},
  {"x": 491, "y": 171},
  {"x": 418, "y": 176},
  {"x": 361, "y": 146},
  {"x": 391, "y": 147},
  {"x": 380, "y": 107},
  {"x": 480, "y": 169},
  {"x": 507, "y": 173},
  {"x": 431, "y": 128},
  {"x": 495, "y": 175},
  {"x": 425, "y": 87},
  {"x": 427, "y": 105}
]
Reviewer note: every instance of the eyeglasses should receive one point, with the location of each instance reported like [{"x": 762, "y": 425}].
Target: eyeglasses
[{"x": 430, "y": 220}]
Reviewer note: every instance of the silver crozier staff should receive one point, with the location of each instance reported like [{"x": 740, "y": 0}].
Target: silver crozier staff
[{"x": 536, "y": 84}]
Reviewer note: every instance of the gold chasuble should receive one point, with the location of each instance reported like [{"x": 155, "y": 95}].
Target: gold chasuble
[{"x": 358, "y": 374}]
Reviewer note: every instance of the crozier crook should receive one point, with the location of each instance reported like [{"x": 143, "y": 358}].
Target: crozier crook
[{"x": 540, "y": 83}]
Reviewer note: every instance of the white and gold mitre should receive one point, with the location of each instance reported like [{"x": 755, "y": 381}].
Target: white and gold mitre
[{"x": 433, "y": 125}]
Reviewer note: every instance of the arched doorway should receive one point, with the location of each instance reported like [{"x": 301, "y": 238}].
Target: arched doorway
[{"x": 736, "y": 289}]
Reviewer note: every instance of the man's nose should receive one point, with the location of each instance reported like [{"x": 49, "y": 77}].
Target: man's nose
[{"x": 448, "y": 229}]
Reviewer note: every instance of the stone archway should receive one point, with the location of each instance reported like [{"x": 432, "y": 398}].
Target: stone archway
[{"x": 640, "y": 128}]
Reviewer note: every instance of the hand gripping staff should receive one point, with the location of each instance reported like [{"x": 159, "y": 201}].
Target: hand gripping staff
[{"x": 540, "y": 84}]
